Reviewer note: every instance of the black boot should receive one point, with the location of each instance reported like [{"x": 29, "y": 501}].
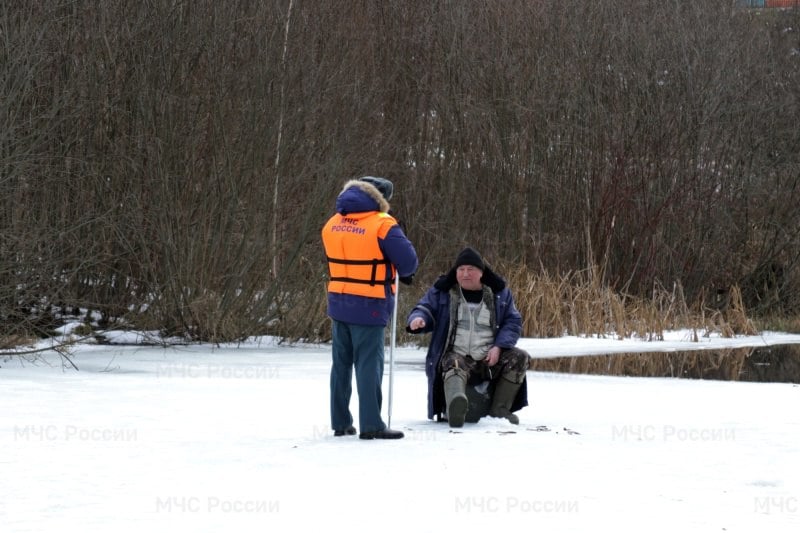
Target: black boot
[
  {"x": 382, "y": 434},
  {"x": 346, "y": 431}
]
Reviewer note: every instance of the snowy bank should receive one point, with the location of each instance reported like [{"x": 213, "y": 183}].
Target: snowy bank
[{"x": 203, "y": 438}]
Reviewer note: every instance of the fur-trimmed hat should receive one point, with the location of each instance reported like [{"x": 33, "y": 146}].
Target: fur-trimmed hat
[
  {"x": 385, "y": 186},
  {"x": 468, "y": 256}
]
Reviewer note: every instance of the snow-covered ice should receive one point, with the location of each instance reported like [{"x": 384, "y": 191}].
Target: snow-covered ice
[{"x": 210, "y": 438}]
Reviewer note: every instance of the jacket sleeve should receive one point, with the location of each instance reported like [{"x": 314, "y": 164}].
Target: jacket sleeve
[
  {"x": 509, "y": 321},
  {"x": 399, "y": 250},
  {"x": 427, "y": 309}
]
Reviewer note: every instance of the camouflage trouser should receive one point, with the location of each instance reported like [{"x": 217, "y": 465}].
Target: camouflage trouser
[{"x": 512, "y": 365}]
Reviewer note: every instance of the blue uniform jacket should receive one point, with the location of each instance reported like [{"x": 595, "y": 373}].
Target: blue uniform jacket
[{"x": 395, "y": 247}]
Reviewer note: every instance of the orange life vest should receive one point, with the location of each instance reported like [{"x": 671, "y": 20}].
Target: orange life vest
[{"x": 355, "y": 261}]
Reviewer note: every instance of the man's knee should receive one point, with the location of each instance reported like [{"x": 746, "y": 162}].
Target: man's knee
[
  {"x": 456, "y": 372},
  {"x": 452, "y": 360},
  {"x": 516, "y": 364}
]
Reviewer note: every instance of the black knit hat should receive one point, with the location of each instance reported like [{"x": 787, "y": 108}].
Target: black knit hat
[
  {"x": 468, "y": 256},
  {"x": 385, "y": 186}
]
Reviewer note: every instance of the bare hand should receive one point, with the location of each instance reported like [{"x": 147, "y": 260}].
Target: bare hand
[
  {"x": 493, "y": 356},
  {"x": 417, "y": 323}
]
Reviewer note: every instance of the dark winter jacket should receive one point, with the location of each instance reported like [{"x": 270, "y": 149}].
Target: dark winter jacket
[
  {"x": 434, "y": 308},
  {"x": 359, "y": 197}
]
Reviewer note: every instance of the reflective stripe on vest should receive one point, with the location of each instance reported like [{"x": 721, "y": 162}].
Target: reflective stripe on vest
[{"x": 355, "y": 261}]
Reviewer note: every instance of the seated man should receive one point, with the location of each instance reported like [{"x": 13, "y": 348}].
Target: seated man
[{"x": 475, "y": 327}]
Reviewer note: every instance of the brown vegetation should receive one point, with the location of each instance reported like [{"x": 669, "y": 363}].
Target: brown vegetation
[{"x": 168, "y": 165}]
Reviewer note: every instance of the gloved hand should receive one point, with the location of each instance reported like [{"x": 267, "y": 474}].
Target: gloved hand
[{"x": 407, "y": 280}]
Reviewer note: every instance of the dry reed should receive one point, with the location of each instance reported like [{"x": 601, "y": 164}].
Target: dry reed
[{"x": 577, "y": 303}]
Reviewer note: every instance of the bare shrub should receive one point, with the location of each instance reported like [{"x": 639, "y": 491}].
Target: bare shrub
[{"x": 168, "y": 165}]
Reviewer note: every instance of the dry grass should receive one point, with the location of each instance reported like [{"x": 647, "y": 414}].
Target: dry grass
[
  {"x": 578, "y": 303},
  {"x": 15, "y": 341},
  {"x": 779, "y": 323}
]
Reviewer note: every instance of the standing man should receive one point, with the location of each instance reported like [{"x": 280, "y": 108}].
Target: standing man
[
  {"x": 475, "y": 326},
  {"x": 365, "y": 249}
]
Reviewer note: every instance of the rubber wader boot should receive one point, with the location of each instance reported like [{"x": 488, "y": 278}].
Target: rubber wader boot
[
  {"x": 504, "y": 395},
  {"x": 455, "y": 398},
  {"x": 480, "y": 401}
]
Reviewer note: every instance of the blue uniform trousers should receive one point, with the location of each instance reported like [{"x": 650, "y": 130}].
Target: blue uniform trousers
[{"x": 359, "y": 347}]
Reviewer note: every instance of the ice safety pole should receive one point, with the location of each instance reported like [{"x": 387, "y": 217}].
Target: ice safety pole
[{"x": 392, "y": 344}]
